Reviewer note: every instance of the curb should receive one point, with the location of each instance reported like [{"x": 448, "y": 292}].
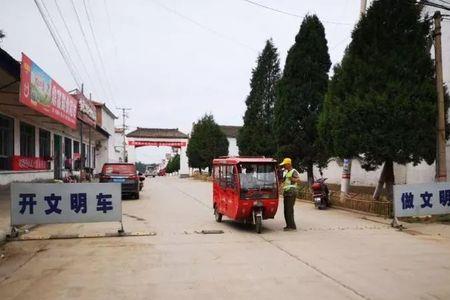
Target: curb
[{"x": 2, "y": 237}]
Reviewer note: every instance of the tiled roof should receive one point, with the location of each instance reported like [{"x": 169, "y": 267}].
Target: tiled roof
[
  {"x": 157, "y": 133},
  {"x": 230, "y": 131}
]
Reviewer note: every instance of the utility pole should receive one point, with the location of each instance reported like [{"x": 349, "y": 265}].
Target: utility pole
[
  {"x": 363, "y": 7},
  {"x": 441, "y": 170},
  {"x": 347, "y": 162},
  {"x": 124, "y": 127},
  {"x": 81, "y": 144}
]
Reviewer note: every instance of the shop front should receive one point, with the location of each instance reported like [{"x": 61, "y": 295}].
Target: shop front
[{"x": 41, "y": 137}]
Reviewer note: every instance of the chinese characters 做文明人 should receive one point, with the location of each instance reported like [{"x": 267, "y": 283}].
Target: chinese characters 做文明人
[
  {"x": 78, "y": 203},
  {"x": 407, "y": 199}
]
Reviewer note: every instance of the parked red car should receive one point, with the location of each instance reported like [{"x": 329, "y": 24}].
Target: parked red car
[{"x": 125, "y": 174}]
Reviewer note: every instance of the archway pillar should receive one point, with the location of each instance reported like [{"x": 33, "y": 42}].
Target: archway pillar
[{"x": 184, "y": 165}]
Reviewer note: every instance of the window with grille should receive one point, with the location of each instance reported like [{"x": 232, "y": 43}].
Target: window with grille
[
  {"x": 6, "y": 142},
  {"x": 44, "y": 143},
  {"x": 27, "y": 140}
]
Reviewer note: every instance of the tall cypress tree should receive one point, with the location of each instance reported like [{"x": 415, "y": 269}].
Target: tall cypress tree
[
  {"x": 381, "y": 105},
  {"x": 300, "y": 96},
  {"x": 206, "y": 143},
  {"x": 256, "y": 137}
]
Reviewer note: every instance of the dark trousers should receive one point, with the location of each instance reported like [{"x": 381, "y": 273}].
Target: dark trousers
[{"x": 289, "y": 202}]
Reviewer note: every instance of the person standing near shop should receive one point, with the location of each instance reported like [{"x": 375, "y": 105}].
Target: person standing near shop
[{"x": 291, "y": 178}]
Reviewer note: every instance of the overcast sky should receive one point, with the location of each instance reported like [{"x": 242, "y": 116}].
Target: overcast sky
[{"x": 171, "y": 61}]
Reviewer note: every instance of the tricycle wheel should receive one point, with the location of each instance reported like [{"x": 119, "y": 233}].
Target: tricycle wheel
[
  {"x": 217, "y": 215},
  {"x": 258, "y": 224}
]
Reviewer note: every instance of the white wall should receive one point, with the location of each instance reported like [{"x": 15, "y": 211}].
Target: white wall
[
  {"x": 107, "y": 122},
  {"x": 358, "y": 175},
  {"x": 117, "y": 152},
  {"x": 233, "y": 149},
  {"x": 106, "y": 153},
  {"x": 6, "y": 177}
]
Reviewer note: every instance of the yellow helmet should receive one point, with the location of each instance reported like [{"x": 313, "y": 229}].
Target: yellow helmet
[{"x": 286, "y": 161}]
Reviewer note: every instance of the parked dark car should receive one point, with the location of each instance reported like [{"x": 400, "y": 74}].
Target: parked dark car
[{"x": 125, "y": 174}]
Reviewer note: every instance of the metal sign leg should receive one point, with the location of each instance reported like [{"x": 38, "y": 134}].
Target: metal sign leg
[{"x": 121, "y": 231}]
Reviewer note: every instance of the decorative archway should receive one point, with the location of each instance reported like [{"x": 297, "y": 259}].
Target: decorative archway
[{"x": 159, "y": 137}]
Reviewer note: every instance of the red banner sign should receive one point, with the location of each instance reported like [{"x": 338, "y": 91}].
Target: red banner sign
[
  {"x": 157, "y": 143},
  {"x": 43, "y": 94},
  {"x": 21, "y": 163}
]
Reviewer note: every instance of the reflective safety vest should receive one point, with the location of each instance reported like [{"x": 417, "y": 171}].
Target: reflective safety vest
[{"x": 287, "y": 183}]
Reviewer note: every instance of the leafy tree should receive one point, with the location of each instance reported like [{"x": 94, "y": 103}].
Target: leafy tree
[
  {"x": 206, "y": 143},
  {"x": 173, "y": 165},
  {"x": 169, "y": 168},
  {"x": 141, "y": 167},
  {"x": 381, "y": 104},
  {"x": 301, "y": 94},
  {"x": 256, "y": 137}
]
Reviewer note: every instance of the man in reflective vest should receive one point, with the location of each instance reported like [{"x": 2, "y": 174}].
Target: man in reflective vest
[{"x": 291, "y": 178}]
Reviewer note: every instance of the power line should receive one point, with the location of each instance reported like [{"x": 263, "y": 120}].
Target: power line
[
  {"x": 74, "y": 45},
  {"x": 102, "y": 63},
  {"x": 433, "y": 4},
  {"x": 57, "y": 43},
  {"x": 88, "y": 47},
  {"x": 445, "y": 2},
  {"x": 292, "y": 14},
  {"x": 108, "y": 18},
  {"x": 221, "y": 35},
  {"x": 55, "y": 28},
  {"x": 60, "y": 40}
]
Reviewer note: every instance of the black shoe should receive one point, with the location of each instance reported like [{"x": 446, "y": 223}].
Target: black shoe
[{"x": 289, "y": 229}]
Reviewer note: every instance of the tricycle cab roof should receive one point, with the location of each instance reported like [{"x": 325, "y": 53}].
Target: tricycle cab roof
[{"x": 233, "y": 160}]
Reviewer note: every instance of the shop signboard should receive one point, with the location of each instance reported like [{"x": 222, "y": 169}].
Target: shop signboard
[
  {"x": 41, "y": 93},
  {"x": 86, "y": 110}
]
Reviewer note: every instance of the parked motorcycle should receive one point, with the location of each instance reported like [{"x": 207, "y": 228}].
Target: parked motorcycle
[{"x": 320, "y": 193}]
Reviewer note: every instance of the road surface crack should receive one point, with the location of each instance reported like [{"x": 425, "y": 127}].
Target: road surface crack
[
  {"x": 194, "y": 198},
  {"x": 345, "y": 286},
  {"x": 23, "y": 264}
]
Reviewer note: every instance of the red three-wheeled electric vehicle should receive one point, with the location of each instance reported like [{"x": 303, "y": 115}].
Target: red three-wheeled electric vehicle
[{"x": 245, "y": 189}]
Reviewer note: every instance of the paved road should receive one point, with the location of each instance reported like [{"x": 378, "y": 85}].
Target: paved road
[{"x": 334, "y": 255}]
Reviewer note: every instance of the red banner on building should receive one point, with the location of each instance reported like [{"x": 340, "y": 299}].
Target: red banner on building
[
  {"x": 157, "y": 143},
  {"x": 22, "y": 163},
  {"x": 43, "y": 94}
]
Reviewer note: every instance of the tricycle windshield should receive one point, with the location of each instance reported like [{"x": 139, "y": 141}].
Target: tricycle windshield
[{"x": 257, "y": 177}]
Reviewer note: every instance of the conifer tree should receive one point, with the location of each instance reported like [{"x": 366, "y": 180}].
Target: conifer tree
[
  {"x": 301, "y": 94},
  {"x": 381, "y": 104},
  {"x": 256, "y": 137}
]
